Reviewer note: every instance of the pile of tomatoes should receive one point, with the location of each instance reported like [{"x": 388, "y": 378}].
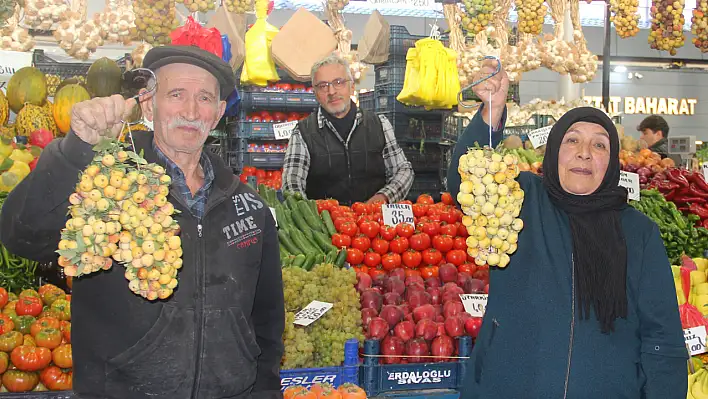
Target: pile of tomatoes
[
  {"x": 374, "y": 248},
  {"x": 270, "y": 178},
  {"x": 35, "y": 340}
]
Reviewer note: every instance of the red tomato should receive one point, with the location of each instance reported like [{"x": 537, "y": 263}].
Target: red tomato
[
  {"x": 55, "y": 379},
  {"x": 341, "y": 240},
  {"x": 447, "y": 199},
  {"x": 361, "y": 268},
  {"x": 419, "y": 241},
  {"x": 449, "y": 216},
  {"x": 249, "y": 170},
  {"x": 431, "y": 256},
  {"x": 390, "y": 261},
  {"x": 376, "y": 272},
  {"x": 3, "y": 297},
  {"x": 369, "y": 229},
  {"x": 362, "y": 243},
  {"x": 260, "y": 173},
  {"x": 412, "y": 259},
  {"x": 372, "y": 259},
  {"x": 443, "y": 243},
  {"x": 355, "y": 256},
  {"x": 462, "y": 230},
  {"x": 467, "y": 268},
  {"x": 429, "y": 271},
  {"x": 419, "y": 210},
  {"x": 449, "y": 230},
  {"x": 31, "y": 358},
  {"x": 460, "y": 243},
  {"x": 388, "y": 233},
  {"x": 432, "y": 229},
  {"x": 359, "y": 208},
  {"x": 425, "y": 199},
  {"x": 457, "y": 257},
  {"x": 399, "y": 245},
  {"x": 412, "y": 272},
  {"x": 29, "y": 305},
  {"x": 6, "y": 324},
  {"x": 349, "y": 228},
  {"x": 380, "y": 246},
  {"x": 405, "y": 230}
]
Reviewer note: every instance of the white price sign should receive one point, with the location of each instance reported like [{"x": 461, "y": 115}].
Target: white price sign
[
  {"x": 475, "y": 304},
  {"x": 11, "y": 62},
  {"x": 395, "y": 214},
  {"x": 272, "y": 212},
  {"x": 705, "y": 171},
  {"x": 312, "y": 312},
  {"x": 539, "y": 137},
  {"x": 630, "y": 181},
  {"x": 695, "y": 339},
  {"x": 284, "y": 130}
]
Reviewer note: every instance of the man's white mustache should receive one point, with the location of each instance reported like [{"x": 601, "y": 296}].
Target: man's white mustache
[{"x": 183, "y": 123}]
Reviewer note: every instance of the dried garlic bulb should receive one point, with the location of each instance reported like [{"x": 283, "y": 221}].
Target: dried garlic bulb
[
  {"x": 199, "y": 5},
  {"x": 699, "y": 25},
  {"x": 154, "y": 20},
  {"x": 117, "y": 21},
  {"x": 13, "y": 37},
  {"x": 138, "y": 54},
  {"x": 470, "y": 60},
  {"x": 44, "y": 14},
  {"x": 78, "y": 38},
  {"x": 337, "y": 5},
  {"x": 521, "y": 115},
  {"x": 239, "y": 6}
]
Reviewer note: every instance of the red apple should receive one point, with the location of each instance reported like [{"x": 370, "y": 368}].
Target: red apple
[
  {"x": 435, "y": 296},
  {"x": 426, "y": 329},
  {"x": 363, "y": 281},
  {"x": 405, "y": 330},
  {"x": 442, "y": 346},
  {"x": 448, "y": 273},
  {"x": 398, "y": 272},
  {"x": 416, "y": 348},
  {"x": 368, "y": 314},
  {"x": 377, "y": 329},
  {"x": 453, "y": 309},
  {"x": 473, "y": 325},
  {"x": 392, "y": 298},
  {"x": 424, "y": 312},
  {"x": 417, "y": 298},
  {"x": 392, "y": 314},
  {"x": 394, "y": 347},
  {"x": 371, "y": 298},
  {"x": 395, "y": 284},
  {"x": 454, "y": 326}
]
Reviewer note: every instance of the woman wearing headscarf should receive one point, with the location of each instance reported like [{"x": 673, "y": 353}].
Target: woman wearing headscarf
[{"x": 587, "y": 307}]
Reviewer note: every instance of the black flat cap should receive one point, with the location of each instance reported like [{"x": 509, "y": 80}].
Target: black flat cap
[{"x": 164, "y": 55}]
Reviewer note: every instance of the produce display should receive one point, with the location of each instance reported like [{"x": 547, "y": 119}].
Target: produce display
[
  {"x": 688, "y": 190},
  {"x": 667, "y": 22},
  {"x": 625, "y": 17},
  {"x": 43, "y": 14},
  {"x": 35, "y": 340},
  {"x": 120, "y": 212},
  {"x": 154, "y": 20},
  {"x": 699, "y": 25},
  {"x": 275, "y": 116},
  {"x": 531, "y": 15},
  {"x": 117, "y": 21},
  {"x": 269, "y": 178},
  {"x": 239, "y": 6},
  {"x": 16, "y": 274},
  {"x": 78, "y": 37},
  {"x": 324, "y": 391},
  {"x": 477, "y": 15},
  {"x": 199, "y": 5}
]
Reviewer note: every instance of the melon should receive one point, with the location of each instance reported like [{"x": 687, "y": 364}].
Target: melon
[
  {"x": 104, "y": 78},
  {"x": 33, "y": 117},
  {"x": 4, "y": 109},
  {"x": 64, "y": 101},
  {"x": 27, "y": 86},
  {"x": 71, "y": 81}
]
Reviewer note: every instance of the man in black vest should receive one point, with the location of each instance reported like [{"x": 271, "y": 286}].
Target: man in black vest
[{"x": 341, "y": 151}]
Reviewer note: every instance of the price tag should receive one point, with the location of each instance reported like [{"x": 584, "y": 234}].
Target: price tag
[
  {"x": 475, "y": 304},
  {"x": 272, "y": 212},
  {"x": 705, "y": 171},
  {"x": 539, "y": 137},
  {"x": 312, "y": 312},
  {"x": 630, "y": 181},
  {"x": 695, "y": 339},
  {"x": 284, "y": 130},
  {"x": 11, "y": 62},
  {"x": 395, "y": 214}
]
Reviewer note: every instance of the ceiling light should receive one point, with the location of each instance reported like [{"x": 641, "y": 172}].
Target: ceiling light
[
  {"x": 699, "y": 142},
  {"x": 630, "y": 76},
  {"x": 621, "y": 69}
]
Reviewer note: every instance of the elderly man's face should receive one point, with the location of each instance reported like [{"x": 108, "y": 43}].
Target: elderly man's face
[{"x": 185, "y": 107}]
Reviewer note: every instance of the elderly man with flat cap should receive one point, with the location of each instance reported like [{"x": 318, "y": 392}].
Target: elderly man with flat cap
[{"x": 220, "y": 334}]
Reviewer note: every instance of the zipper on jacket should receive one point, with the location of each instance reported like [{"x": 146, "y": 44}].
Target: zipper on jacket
[
  {"x": 199, "y": 230},
  {"x": 199, "y": 309},
  {"x": 572, "y": 328}
]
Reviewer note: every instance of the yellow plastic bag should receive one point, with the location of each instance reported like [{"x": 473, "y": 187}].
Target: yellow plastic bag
[
  {"x": 258, "y": 66},
  {"x": 411, "y": 80},
  {"x": 431, "y": 78}
]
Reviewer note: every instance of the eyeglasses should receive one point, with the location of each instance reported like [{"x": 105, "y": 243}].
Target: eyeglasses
[{"x": 337, "y": 84}]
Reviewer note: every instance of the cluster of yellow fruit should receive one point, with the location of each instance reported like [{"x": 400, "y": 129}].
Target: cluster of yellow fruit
[
  {"x": 154, "y": 20},
  {"x": 239, "y": 6},
  {"x": 531, "y": 15},
  {"x": 491, "y": 200},
  {"x": 667, "y": 25},
  {"x": 478, "y": 14},
  {"x": 199, "y": 5},
  {"x": 698, "y": 384},
  {"x": 699, "y": 25},
  {"x": 625, "y": 17},
  {"x": 698, "y": 292},
  {"x": 120, "y": 212},
  {"x": 14, "y": 164}
]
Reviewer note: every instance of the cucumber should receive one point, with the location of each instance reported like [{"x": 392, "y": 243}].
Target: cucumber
[
  {"x": 283, "y": 252},
  {"x": 313, "y": 244},
  {"x": 341, "y": 258},
  {"x": 285, "y": 240},
  {"x": 288, "y": 215},
  {"x": 301, "y": 224},
  {"x": 299, "y": 260},
  {"x": 319, "y": 259},
  {"x": 302, "y": 242},
  {"x": 329, "y": 224},
  {"x": 313, "y": 207},
  {"x": 313, "y": 221},
  {"x": 309, "y": 262},
  {"x": 291, "y": 203},
  {"x": 280, "y": 216},
  {"x": 324, "y": 242},
  {"x": 298, "y": 196}
]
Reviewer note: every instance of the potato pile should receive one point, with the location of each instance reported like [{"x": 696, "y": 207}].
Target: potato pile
[
  {"x": 120, "y": 212},
  {"x": 491, "y": 200}
]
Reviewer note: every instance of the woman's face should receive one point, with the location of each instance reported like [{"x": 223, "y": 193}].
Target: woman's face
[{"x": 583, "y": 158}]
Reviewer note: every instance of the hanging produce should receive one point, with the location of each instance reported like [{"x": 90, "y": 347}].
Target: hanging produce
[
  {"x": 625, "y": 17},
  {"x": 7, "y": 9},
  {"x": 239, "y": 6},
  {"x": 337, "y": 5},
  {"x": 44, "y": 14},
  {"x": 431, "y": 78},
  {"x": 531, "y": 14},
  {"x": 491, "y": 199},
  {"x": 667, "y": 21},
  {"x": 699, "y": 26},
  {"x": 138, "y": 54},
  {"x": 585, "y": 61},
  {"x": 154, "y": 20},
  {"x": 12, "y": 36},
  {"x": 77, "y": 37},
  {"x": 199, "y": 5},
  {"x": 478, "y": 14},
  {"x": 120, "y": 211},
  {"x": 117, "y": 21}
]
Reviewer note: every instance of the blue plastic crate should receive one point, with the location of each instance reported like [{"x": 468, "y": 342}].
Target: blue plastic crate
[
  {"x": 347, "y": 373},
  {"x": 256, "y": 130},
  {"x": 386, "y": 101},
  {"x": 400, "y": 41},
  {"x": 281, "y": 101},
  {"x": 366, "y": 101},
  {"x": 427, "y": 182},
  {"x": 261, "y": 160},
  {"x": 424, "y": 158},
  {"x": 415, "y": 128},
  {"x": 393, "y": 72},
  {"x": 378, "y": 378},
  {"x": 454, "y": 126}
]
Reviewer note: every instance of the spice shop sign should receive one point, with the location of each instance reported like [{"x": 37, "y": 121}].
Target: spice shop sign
[{"x": 648, "y": 105}]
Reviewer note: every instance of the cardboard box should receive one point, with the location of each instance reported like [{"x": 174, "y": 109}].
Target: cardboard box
[
  {"x": 374, "y": 46},
  {"x": 234, "y": 26}
]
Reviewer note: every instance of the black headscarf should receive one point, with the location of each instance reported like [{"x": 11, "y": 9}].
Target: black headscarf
[{"x": 599, "y": 248}]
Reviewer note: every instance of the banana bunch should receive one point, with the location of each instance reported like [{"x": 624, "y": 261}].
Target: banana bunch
[
  {"x": 698, "y": 385},
  {"x": 698, "y": 293}
]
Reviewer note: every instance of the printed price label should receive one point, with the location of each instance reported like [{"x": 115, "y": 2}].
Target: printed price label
[
  {"x": 539, "y": 137},
  {"x": 475, "y": 304},
  {"x": 11, "y": 62},
  {"x": 630, "y": 181},
  {"x": 312, "y": 312},
  {"x": 272, "y": 212},
  {"x": 395, "y": 214},
  {"x": 705, "y": 170},
  {"x": 695, "y": 339},
  {"x": 284, "y": 130}
]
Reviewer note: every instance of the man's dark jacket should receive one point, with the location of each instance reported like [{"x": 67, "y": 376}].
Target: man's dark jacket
[{"x": 218, "y": 336}]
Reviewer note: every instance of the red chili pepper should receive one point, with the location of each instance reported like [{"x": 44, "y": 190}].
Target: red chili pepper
[
  {"x": 700, "y": 182},
  {"x": 664, "y": 186},
  {"x": 670, "y": 195},
  {"x": 695, "y": 191},
  {"x": 699, "y": 210},
  {"x": 689, "y": 200},
  {"x": 676, "y": 176},
  {"x": 705, "y": 223}
]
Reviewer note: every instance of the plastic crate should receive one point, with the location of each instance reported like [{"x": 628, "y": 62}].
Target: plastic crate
[
  {"x": 366, "y": 101},
  {"x": 280, "y": 101},
  {"x": 424, "y": 158},
  {"x": 347, "y": 373},
  {"x": 393, "y": 72},
  {"x": 261, "y": 160},
  {"x": 427, "y": 183},
  {"x": 256, "y": 130},
  {"x": 453, "y": 126},
  {"x": 377, "y": 378},
  {"x": 66, "y": 70},
  {"x": 38, "y": 395},
  {"x": 415, "y": 128},
  {"x": 400, "y": 41},
  {"x": 385, "y": 101}
]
